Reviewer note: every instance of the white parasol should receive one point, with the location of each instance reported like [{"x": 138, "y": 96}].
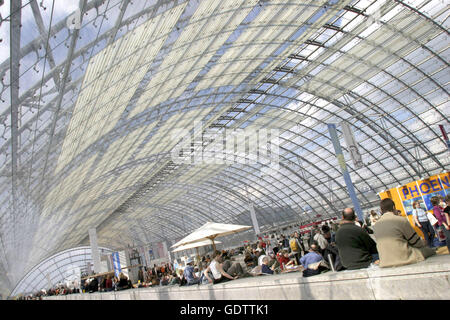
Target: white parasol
[{"x": 210, "y": 231}]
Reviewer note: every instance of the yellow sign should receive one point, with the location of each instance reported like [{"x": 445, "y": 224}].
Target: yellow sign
[{"x": 420, "y": 190}]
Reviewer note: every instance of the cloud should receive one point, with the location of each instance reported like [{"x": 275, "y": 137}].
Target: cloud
[{"x": 62, "y": 9}]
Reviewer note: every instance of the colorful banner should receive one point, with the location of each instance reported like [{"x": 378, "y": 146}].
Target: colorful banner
[
  {"x": 420, "y": 190},
  {"x": 352, "y": 145},
  {"x": 116, "y": 263},
  {"x": 341, "y": 160}
]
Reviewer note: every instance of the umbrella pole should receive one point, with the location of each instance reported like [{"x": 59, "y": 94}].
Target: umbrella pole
[{"x": 213, "y": 244}]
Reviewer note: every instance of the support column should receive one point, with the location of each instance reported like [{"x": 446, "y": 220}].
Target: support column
[
  {"x": 94, "y": 250},
  {"x": 49, "y": 281},
  {"x": 253, "y": 216},
  {"x": 132, "y": 272},
  {"x": 345, "y": 173},
  {"x": 166, "y": 252}
]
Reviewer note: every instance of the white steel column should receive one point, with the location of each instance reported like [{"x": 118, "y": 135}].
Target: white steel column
[
  {"x": 253, "y": 216},
  {"x": 94, "y": 250}
]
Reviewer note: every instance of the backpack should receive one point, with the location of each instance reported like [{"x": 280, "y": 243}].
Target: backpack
[{"x": 294, "y": 245}]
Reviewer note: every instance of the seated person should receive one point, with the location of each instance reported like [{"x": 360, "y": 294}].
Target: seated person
[
  {"x": 173, "y": 279},
  {"x": 164, "y": 281},
  {"x": 265, "y": 268},
  {"x": 273, "y": 262},
  {"x": 197, "y": 272},
  {"x": 357, "y": 249},
  {"x": 93, "y": 285},
  {"x": 155, "y": 281},
  {"x": 397, "y": 242},
  {"x": 283, "y": 259},
  {"x": 123, "y": 282},
  {"x": 249, "y": 260},
  {"x": 181, "y": 277},
  {"x": 189, "y": 273},
  {"x": 309, "y": 259},
  {"x": 233, "y": 268},
  {"x": 217, "y": 271},
  {"x": 261, "y": 256}
]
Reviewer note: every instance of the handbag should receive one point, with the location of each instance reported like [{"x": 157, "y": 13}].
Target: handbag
[{"x": 432, "y": 219}]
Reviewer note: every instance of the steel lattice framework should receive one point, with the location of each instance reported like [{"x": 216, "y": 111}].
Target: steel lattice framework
[{"x": 91, "y": 96}]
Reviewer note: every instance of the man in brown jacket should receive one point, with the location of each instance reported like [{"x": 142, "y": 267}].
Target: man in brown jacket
[{"x": 397, "y": 242}]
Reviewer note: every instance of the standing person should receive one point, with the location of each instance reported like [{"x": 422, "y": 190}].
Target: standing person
[
  {"x": 115, "y": 283},
  {"x": 263, "y": 243},
  {"x": 397, "y": 242},
  {"x": 421, "y": 220},
  {"x": 284, "y": 242},
  {"x": 326, "y": 231},
  {"x": 300, "y": 240},
  {"x": 442, "y": 217},
  {"x": 357, "y": 250},
  {"x": 294, "y": 244},
  {"x": 141, "y": 275},
  {"x": 334, "y": 226},
  {"x": 109, "y": 284},
  {"x": 446, "y": 223},
  {"x": 367, "y": 219},
  {"x": 320, "y": 240},
  {"x": 272, "y": 245}
]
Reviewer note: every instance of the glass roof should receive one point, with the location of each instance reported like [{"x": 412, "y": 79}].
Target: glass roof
[
  {"x": 57, "y": 269},
  {"x": 97, "y": 97}
]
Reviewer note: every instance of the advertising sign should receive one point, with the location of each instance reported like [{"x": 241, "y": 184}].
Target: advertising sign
[{"x": 420, "y": 190}]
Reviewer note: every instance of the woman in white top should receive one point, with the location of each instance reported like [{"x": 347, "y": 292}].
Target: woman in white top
[
  {"x": 421, "y": 220},
  {"x": 215, "y": 267}
]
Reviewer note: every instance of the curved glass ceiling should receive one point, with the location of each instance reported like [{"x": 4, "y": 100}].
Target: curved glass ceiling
[
  {"x": 97, "y": 97},
  {"x": 65, "y": 266}
]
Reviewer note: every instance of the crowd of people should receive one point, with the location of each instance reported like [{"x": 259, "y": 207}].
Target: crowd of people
[{"x": 383, "y": 239}]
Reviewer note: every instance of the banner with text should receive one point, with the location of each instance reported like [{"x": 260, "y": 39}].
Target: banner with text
[{"x": 420, "y": 190}]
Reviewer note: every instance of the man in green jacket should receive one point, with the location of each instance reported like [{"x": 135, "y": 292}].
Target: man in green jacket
[{"x": 357, "y": 250}]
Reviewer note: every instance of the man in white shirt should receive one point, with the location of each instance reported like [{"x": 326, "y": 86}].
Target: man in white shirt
[{"x": 320, "y": 239}]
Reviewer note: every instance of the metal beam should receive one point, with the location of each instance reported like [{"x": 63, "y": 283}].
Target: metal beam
[
  {"x": 15, "y": 25},
  {"x": 40, "y": 23},
  {"x": 62, "y": 91},
  {"x": 123, "y": 8}
]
